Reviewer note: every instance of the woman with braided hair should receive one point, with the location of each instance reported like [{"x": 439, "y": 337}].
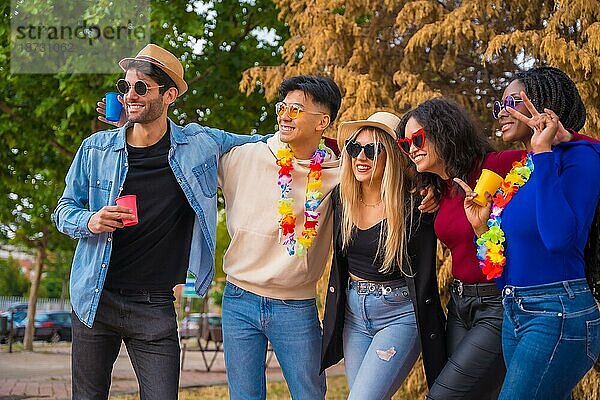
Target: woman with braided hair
[
  {"x": 546, "y": 87},
  {"x": 552, "y": 88},
  {"x": 533, "y": 233}
]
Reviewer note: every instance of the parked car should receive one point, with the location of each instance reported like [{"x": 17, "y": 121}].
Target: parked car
[
  {"x": 16, "y": 310},
  {"x": 198, "y": 325},
  {"x": 19, "y": 310},
  {"x": 52, "y": 326},
  {"x": 4, "y": 327}
]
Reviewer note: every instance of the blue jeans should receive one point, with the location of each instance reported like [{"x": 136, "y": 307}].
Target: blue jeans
[
  {"x": 147, "y": 323},
  {"x": 381, "y": 342},
  {"x": 550, "y": 338},
  {"x": 292, "y": 327}
]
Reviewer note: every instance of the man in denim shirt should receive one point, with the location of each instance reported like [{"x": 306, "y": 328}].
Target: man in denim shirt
[{"x": 122, "y": 277}]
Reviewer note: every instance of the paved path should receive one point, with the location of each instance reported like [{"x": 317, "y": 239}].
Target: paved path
[{"x": 46, "y": 373}]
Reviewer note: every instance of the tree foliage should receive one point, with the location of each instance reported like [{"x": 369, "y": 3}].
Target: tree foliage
[
  {"x": 394, "y": 54},
  {"x": 217, "y": 41},
  {"x": 44, "y": 118},
  {"x": 33, "y": 160},
  {"x": 12, "y": 280}
]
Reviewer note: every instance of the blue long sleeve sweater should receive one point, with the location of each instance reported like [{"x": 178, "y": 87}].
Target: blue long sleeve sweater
[{"x": 547, "y": 222}]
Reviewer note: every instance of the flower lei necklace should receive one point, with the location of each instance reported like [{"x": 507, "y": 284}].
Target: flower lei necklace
[
  {"x": 490, "y": 250},
  {"x": 287, "y": 222}
]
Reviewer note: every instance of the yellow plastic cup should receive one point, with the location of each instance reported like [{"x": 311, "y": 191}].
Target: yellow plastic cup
[{"x": 489, "y": 181}]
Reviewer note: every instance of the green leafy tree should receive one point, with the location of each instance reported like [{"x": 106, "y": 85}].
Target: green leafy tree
[
  {"x": 217, "y": 41},
  {"x": 12, "y": 280},
  {"x": 44, "y": 118},
  {"x": 55, "y": 278}
]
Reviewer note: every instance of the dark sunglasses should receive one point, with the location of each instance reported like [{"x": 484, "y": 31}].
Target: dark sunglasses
[
  {"x": 140, "y": 87},
  {"x": 371, "y": 149},
  {"x": 418, "y": 139},
  {"x": 509, "y": 101}
]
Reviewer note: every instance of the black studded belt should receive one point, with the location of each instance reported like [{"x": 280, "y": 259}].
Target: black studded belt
[{"x": 377, "y": 288}]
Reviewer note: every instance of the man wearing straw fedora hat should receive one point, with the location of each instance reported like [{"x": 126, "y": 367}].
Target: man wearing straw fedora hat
[
  {"x": 122, "y": 274},
  {"x": 277, "y": 203},
  {"x": 281, "y": 272}
]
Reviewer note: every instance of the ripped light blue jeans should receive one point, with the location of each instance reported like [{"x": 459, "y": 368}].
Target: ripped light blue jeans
[
  {"x": 550, "y": 339},
  {"x": 381, "y": 342}
]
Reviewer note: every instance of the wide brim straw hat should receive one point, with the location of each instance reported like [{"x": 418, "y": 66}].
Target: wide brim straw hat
[
  {"x": 164, "y": 60},
  {"x": 383, "y": 120}
]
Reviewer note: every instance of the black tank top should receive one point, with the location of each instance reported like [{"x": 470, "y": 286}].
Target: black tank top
[{"x": 363, "y": 260}]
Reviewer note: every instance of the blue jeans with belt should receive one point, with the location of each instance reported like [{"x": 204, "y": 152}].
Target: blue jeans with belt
[
  {"x": 251, "y": 321},
  {"x": 381, "y": 341},
  {"x": 550, "y": 339}
]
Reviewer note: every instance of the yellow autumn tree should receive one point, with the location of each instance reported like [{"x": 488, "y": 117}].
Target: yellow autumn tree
[{"x": 394, "y": 54}]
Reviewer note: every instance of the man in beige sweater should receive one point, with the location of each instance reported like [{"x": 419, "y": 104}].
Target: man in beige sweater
[{"x": 277, "y": 195}]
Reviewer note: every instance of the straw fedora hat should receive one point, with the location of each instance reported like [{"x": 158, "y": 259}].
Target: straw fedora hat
[
  {"x": 164, "y": 60},
  {"x": 383, "y": 120}
]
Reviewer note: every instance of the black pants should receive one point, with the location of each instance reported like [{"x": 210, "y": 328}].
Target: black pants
[
  {"x": 475, "y": 368},
  {"x": 147, "y": 323}
]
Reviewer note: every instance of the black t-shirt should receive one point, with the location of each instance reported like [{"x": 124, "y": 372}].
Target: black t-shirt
[
  {"x": 363, "y": 260},
  {"x": 154, "y": 254}
]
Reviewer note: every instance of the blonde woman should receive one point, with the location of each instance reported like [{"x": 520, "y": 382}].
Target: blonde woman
[{"x": 382, "y": 304}]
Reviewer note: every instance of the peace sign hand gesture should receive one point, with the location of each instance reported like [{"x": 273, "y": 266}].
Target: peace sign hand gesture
[
  {"x": 544, "y": 133},
  {"x": 545, "y": 125}
]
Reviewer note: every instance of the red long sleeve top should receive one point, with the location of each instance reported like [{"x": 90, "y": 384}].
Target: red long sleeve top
[{"x": 453, "y": 228}]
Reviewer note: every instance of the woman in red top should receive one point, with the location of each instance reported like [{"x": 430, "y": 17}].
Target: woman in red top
[{"x": 443, "y": 143}]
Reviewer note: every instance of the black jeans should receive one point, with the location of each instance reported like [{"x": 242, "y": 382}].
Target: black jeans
[
  {"x": 475, "y": 367},
  {"x": 146, "y": 322}
]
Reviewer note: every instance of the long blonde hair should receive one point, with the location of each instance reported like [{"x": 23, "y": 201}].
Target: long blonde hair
[{"x": 394, "y": 193}]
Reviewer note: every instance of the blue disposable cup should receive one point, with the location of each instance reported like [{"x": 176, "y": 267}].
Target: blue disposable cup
[{"x": 113, "y": 107}]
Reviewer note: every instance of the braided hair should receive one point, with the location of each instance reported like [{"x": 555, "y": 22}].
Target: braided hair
[{"x": 549, "y": 87}]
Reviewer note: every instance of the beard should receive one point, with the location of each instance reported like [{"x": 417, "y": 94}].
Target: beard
[{"x": 152, "y": 111}]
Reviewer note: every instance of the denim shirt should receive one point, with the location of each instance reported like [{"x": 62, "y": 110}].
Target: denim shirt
[{"x": 95, "y": 179}]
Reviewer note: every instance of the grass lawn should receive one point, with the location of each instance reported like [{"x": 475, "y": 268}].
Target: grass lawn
[{"x": 336, "y": 390}]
